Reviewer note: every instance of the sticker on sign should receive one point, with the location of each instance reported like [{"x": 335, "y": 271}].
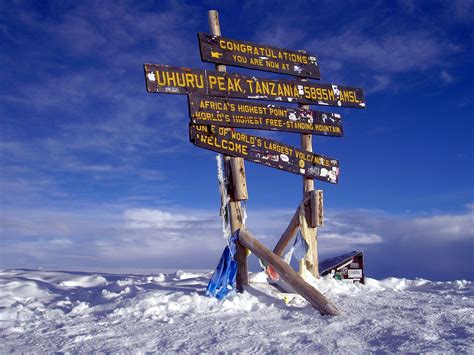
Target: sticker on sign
[
  {"x": 354, "y": 273},
  {"x": 185, "y": 81},
  {"x": 265, "y": 151},
  {"x": 256, "y": 115}
]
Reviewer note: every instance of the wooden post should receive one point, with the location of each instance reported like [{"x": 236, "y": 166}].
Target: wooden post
[
  {"x": 235, "y": 172},
  {"x": 313, "y": 296},
  {"x": 308, "y": 185},
  {"x": 239, "y": 181}
]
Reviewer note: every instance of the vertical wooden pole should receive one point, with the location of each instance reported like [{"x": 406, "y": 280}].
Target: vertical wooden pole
[
  {"x": 308, "y": 185},
  {"x": 235, "y": 172}
]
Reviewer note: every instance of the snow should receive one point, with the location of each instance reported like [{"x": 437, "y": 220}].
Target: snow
[{"x": 45, "y": 311}]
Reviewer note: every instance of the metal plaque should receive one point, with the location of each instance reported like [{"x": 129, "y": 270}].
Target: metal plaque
[
  {"x": 264, "y": 151},
  {"x": 244, "y": 54},
  {"x": 173, "y": 80},
  {"x": 255, "y": 115}
]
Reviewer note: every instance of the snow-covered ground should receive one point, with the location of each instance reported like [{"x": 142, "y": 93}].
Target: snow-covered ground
[{"x": 82, "y": 311}]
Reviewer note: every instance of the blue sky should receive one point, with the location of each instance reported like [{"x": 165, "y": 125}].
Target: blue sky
[{"x": 96, "y": 172}]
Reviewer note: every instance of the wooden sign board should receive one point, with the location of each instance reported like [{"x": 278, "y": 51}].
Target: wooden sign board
[
  {"x": 348, "y": 267},
  {"x": 173, "y": 80},
  {"x": 264, "y": 151},
  {"x": 220, "y": 50},
  {"x": 255, "y": 115}
]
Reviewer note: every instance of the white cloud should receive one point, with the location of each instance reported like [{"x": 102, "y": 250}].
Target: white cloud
[
  {"x": 97, "y": 109},
  {"x": 444, "y": 228},
  {"x": 463, "y": 10},
  {"x": 278, "y": 35},
  {"x": 437, "y": 228},
  {"x": 143, "y": 218},
  {"x": 390, "y": 52},
  {"x": 446, "y": 77},
  {"x": 408, "y": 5},
  {"x": 115, "y": 236},
  {"x": 381, "y": 83}
]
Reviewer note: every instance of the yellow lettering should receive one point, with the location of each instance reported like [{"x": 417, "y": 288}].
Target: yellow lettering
[
  {"x": 171, "y": 81},
  {"x": 221, "y": 84},
  {"x": 325, "y": 94},
  {"x": 160, "y": 78},
  {"x": 212, "y": 81},
  {"x": 189, "y": 80},
  {"x": 331, "y": 95},
  {"x": 256, "y": 61},
  {"x": 345, "y": 95},
  {"x": 250, "y": 83}
]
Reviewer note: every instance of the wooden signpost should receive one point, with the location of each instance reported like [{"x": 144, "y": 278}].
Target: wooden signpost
[
  {"x": 236, "y": 184},
  {"x": 165, "y": 79},
  {"x": 256, "y": 115},
  {"x": 264, "y": 151},
  {"x": 215, "y": 112},
  {"x": 216, "y": 49}
]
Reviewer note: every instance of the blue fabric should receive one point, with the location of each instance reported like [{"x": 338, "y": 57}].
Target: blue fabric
[
  {"x": 223, "y": 280},
  {"x": 300, "y": 246}
]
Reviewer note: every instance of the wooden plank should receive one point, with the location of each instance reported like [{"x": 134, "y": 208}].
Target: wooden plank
[
  {"x": 313, "y": 220},
  {"x": 256, "y": 115},
  {"x": 265, "y": 151},
  {"x": 313, "y": 296},
  {"x": 316, "y": 211},
  {"x": 238, "y": 185},
  {"x": 221, "y": 50},
  {"x": 184, "y": 81}
]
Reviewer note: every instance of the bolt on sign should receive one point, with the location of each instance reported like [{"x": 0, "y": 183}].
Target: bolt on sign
[
  {"x": 184, "y": 81},
  {"x": 255, "y": 115},
  {"x": 220, "y": 50},
  {"x": 264, "y": 151}
]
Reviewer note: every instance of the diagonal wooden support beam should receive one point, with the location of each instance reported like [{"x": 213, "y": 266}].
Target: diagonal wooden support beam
[
  {"x": 290, "y": 231},
  {"x": 313, "y": 296},
  {"x": 288, "y": 234}
]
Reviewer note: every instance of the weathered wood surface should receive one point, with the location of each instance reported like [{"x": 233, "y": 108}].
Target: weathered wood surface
[
  {"x": 313, "y": 296},
  {"x": 238, "y": 186},
  {"x": 221, "y": 50},
  {"x": 236, "y": 222},
  {"x": 317, "y": 211},
  {"x": 256, "y": 115},
  {"x": 239, "y": 181},
  {"x": 174, "y": 80},
  {"x": 309, "y": 233},
  {"x": 265, "y": 151}
]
